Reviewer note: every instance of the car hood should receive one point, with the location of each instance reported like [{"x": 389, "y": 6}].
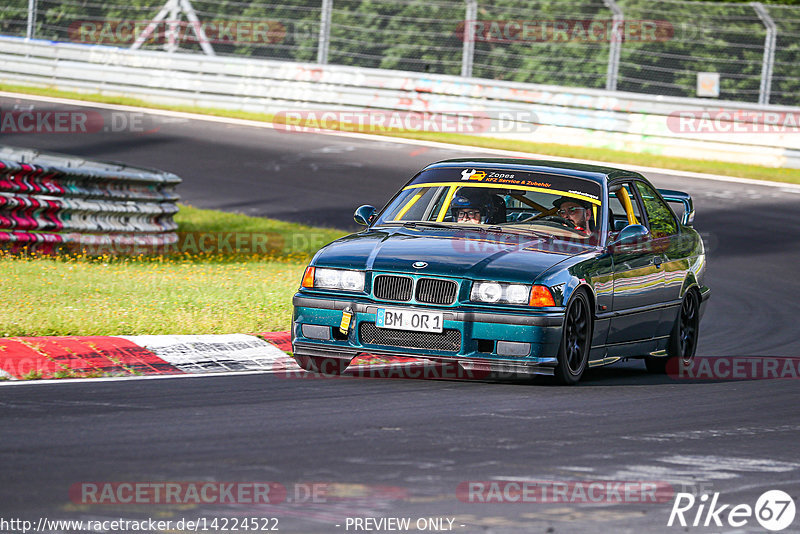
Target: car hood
[{"x": 449, "y": 252}]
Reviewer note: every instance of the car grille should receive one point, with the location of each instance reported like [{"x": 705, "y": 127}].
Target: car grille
[
  {"x": 428, "y": 290},
  {"x": 448, "y": 341},
  {"x": 393, "y": 287},
  {"x": 436, "y": 291}
]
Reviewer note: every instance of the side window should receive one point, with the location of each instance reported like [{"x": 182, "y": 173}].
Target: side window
[
  {"x": 618, "y": 218},
  {"x": 662, "y": 220}
]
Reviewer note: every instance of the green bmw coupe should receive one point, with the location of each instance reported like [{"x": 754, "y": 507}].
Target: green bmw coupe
[{"x": 510, "y": 265}]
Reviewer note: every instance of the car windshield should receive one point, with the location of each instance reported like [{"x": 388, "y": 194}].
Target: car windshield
[{"x": 563, "y": 206}]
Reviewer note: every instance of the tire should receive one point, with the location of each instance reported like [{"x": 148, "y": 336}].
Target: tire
[
  {"x": 576, "y": 341},
  {"x": 321, "y": 365},
  {"x": 682, "y": 343}
]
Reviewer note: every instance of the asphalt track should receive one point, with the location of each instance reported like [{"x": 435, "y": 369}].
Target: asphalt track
[{"x": 401, "y": 447}]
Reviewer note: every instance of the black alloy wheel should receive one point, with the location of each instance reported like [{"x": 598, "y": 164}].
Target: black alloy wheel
[
  {"x": 576, "y": 340},
  {"x": 683, "y": 338}
]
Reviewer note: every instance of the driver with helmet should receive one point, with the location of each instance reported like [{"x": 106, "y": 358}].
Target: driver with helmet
[{"x": 472, "y": 205}]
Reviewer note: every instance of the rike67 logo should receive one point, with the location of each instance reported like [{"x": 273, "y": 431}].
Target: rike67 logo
[{"x": 774, "y": 510}]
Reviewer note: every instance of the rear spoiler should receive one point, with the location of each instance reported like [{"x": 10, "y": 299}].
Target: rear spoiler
[{"x": 679, "y": 197}]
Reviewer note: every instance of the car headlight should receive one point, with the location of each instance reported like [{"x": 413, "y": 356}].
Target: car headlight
[
  {"x": 487, "y": 292},
  {"x": 517, "y": 293},
  {"x": 499, "y": 292},
  {"x": 320, "y": 278}
]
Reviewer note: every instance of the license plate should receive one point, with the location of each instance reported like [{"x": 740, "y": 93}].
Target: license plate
[{"x": 400, "y": 319}]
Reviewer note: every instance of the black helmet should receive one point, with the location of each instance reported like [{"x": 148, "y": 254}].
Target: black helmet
[{"x": 471, "y": 198}]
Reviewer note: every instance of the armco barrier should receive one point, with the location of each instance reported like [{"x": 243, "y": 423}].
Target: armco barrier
[
  {"x": 49, "y": 200},
  {"x": 584, "y": 117}
]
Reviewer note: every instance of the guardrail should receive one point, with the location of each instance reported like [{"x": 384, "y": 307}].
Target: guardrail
[
  {"x": 50, "y": 202},
  {"x": 734, "y": 131}
]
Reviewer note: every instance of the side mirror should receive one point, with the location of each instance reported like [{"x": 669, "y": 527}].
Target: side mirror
[
  {"x": 364, "y": 215},
  {"x": 631, "y": 234}
]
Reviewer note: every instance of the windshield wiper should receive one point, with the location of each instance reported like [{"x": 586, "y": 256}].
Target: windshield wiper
[
  {"x": 497, "y": 228},
  {"x": 477, "y": 228},
  {"x": 429, "y": 224}
]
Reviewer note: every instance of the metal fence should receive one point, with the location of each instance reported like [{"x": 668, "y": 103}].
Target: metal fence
[{"x": 646, "y": 46}]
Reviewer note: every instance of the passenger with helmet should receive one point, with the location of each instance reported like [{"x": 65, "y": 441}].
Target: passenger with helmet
[
  {"x": 576, "y": 211},
  {"x": 475, "y": 206}
]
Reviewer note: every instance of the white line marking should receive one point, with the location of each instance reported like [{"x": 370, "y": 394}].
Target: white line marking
[
  {"x": 383, "y": 138},
  {"x": 125, "y": 378}
]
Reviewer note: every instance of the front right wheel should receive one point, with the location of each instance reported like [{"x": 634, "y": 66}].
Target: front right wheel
[{"x": 576, "y": 340}]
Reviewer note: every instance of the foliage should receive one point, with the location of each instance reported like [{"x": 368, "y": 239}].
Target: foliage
[{"x": 427, "y": 36}]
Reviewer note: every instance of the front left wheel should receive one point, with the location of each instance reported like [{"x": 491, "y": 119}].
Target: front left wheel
[{"x": 576, "y": 340}]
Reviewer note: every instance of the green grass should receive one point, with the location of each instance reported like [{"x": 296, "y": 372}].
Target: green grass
[
  {"x": 282, "y": 240},
  {"x": 58, "y": 298},
  {"x": 756, "y": 172},
  {"x": 186, "y": 293}
]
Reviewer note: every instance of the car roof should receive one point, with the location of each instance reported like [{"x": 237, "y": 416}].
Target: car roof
[{"x": 596, "y": 173}]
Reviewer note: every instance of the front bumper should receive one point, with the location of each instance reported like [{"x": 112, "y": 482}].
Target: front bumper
[{"x": 473, "y": 334}]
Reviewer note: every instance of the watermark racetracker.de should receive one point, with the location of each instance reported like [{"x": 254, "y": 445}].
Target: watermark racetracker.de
[
  {"x": 564, "y": 491},
  {"x": 734, "y": 368},
  {"x": 32, "y": 120},
  {"x": 203, "y": 244},
  {"x": 241, "y": 493},
  {"x": 121, "y": 32},
  {"x": 191, "y": 492},
  {"x": 465, "y": 121},
  {"x": 733, "y": 121},
  {"x": 565, "y": 31}
]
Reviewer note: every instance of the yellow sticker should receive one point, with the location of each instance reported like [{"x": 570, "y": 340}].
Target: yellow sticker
[{"x": 344, "y": 326}]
